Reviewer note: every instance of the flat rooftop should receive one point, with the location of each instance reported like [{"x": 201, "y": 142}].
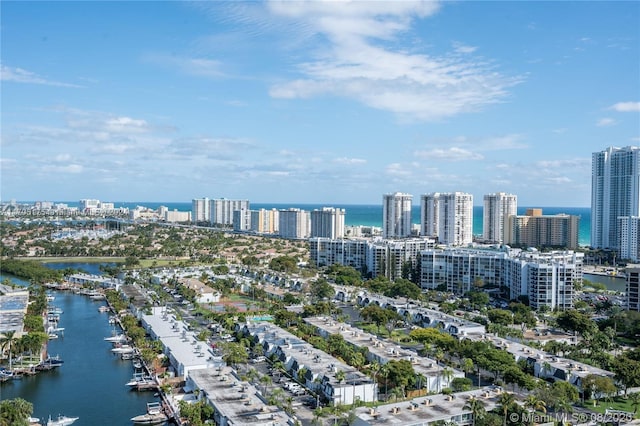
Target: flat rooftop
[
  {"x": 13, "y": 307},
  {"x": 236, "y": 400},
  {"x": 427, "y": 409},
  {"x": 178, "y": 340},
  {"x": 519, "y": 350},
  {"x": 318, "y": 362},
  {"x": 384, "y": 349}
]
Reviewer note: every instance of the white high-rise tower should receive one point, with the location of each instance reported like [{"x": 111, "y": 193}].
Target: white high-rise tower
[
  {"x": 495, "y": 214},
  {"x": 615, "y": 192},
  {"x": 327, "y": 222},
  {"x": 396, "y": 215},
  {"x": 200, "y": 210},
  {"x": 448, "y": 216}
]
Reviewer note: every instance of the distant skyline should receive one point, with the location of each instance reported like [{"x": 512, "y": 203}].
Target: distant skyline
[{"x": 314, "y": 102}]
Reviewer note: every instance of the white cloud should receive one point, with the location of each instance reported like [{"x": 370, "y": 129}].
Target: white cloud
[
  {"x": 397, "y": 169},
  {"x": 626, "y": 107},
  {"x": 606, "y": 122},
  {"x": 126, "y": 125},
  {"x": 70, "y": 169},
  {"x": 356, "y": 65},
  {"x": 345, "y": 160},
  {"x": 202, "y": 67},
  {"x": 558, "y": 180},
  {"x": 462, "y": 48},
  {"x": 451, "y": 154},
  {"x": 498, "y": 143},
  {"x": 20, "y": 75}
]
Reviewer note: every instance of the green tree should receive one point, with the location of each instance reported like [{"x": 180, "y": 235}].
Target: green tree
[
  {"x": 15, "y": 412},
  {"x": 8, "y": 342},
  {"x": 534, "y": 403},
  {"x": 321, "y": 289},
  {"x": 234, "y": 353},
  {"x": 506, "y": 401},
  {"x": 573, "y": 320},
  {"x": 477, "y": 409}
]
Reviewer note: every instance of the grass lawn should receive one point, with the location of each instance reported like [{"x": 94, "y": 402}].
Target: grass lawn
[
  {"x": 618, "y": 403},
  {"x": 77, "y": 259}
]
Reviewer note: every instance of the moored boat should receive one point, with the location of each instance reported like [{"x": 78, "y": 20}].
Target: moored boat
[
  {"x": 118, "y": 338},
  {"x": 153, "y": 416},
  {"x": 50, "y": 363},
  {"x": 61, "y": 420},
  {"x": 124, "y": 349}
]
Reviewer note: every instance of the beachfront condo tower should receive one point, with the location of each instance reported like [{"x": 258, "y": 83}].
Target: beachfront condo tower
[
  {"x": 396, "y": 215},
  {"x": 495, "y": 214},
  {"x": 615, "y": 193}
]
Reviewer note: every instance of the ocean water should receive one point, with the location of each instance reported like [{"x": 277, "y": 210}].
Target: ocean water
[{"x": 371, "y": 214}]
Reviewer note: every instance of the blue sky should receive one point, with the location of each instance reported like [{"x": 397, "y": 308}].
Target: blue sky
[{"x": 317, "y": 102}]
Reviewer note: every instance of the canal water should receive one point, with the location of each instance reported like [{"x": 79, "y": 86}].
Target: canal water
[
  {"x": 612, "y": 283},
  {"x": 91, "y": 382}
]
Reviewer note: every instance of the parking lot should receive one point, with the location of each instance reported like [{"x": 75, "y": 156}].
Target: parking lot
[{"x": 302, "y": 401}]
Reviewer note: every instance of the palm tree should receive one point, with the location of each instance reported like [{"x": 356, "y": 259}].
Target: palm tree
[
  {"x": 374, "y": 368},
  {"x": 534, "y": 403},
  {"x": 506, "y": 401},
  {"x": 385, "y": 373},
  {"x": 266, "y": 381},
  {"x": 635, "y": 401},
  {"x": 447, "y": 374},
  {"x": 397, "y": 392},
  {"x": 477, "y": 409},
  {"x": 546, "y": 368},
  {"x": 8, "y": 340},
  {"x": 563, "y": 407}
]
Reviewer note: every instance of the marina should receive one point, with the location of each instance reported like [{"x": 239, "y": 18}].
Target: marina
[{"x": 80, "y": 368}]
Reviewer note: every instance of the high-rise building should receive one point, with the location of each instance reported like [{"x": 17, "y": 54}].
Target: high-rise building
[
  {"x": 615, "y": 192},
  {"x": 448, "y": 216},
  {"x": 536, "y": 230},
  {"x": 429, "y": 214},
  {"x": 327, "y": 222},
  {"x": 396, "y": 215},
  {"x": 200, "y": 210},
  {"x": 242, "y": 220},
  {"x": 633, "y": 287},
  {"x": 264, "y": 221},
  {"x": 547, "y": 279},
  {"x": 293, "y": 223},
  {"x": 495, "y": 214},
  {"x": 629, "y": 238},
  {"x": 222, "y": 210}
]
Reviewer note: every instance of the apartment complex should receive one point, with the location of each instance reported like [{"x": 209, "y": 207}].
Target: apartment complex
[
  {"x": 264, "y": 221},
  {"x": 373, "y": 257},
  {"x": 327, "y": 222},
  {"x": 294, "y": 223},
  {"x": 380, "y": 350},
  {"x": 633, "y": 287},
  {"x": 396, "y": 215},
  {"x": 537, "y": 230},
  {"x": 200, "y": 210},
  {"x": 448, "y": 217},
  {"x": 547, "y": 279},
  {"x": 615, "y": 193},
  {"x": 495, "y": 214},
  {"x": 315, "y": 369},
  {"x": 242, "y": 220},
  {"x": 629, "y": 238},
  {"x": 222, "y": 210}
]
